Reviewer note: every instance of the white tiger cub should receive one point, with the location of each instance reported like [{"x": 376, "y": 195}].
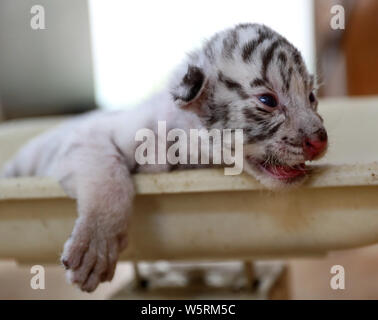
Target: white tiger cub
[{"x": 247, "y": 77}]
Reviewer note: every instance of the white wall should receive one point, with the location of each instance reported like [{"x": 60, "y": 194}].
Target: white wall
[
  {"x": 137, "y": 43},
  {"x": 45, "y": 71}
]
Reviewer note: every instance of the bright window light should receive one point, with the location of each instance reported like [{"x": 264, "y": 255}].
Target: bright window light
[{"x": 136, "y": 44}]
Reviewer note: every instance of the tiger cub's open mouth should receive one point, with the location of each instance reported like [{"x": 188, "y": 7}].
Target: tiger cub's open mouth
[
  {"x": 284, "y": 172},
  {"x": 280, "y": 171}
]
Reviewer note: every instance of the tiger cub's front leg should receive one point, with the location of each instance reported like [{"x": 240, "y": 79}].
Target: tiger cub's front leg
[{"x": 104, "y": 192}]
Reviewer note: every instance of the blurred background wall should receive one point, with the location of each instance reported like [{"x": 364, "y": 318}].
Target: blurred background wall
[
  {"x": 361, "y": 48},
  {"x": 114, "y": 53},
  {"x": 137, "y": 44},
  {"x": 347, "y": 61},
  {"x": 47, "y": 71}
]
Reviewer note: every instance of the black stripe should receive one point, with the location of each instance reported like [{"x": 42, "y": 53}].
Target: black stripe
[
  {"x": 250, "y": 115},
  {"x": 245, "y": 25},
  {"x": 297, "y": 57},
  {"x": 298, "y": 62},
  {"x": 228, "y": 82},
  {"x": 282, "y": 57},
  {"x": 251, "y": 45},
  {"x": 258, "y": 83},
  {"x": 265, "y": 134},
  {"x": 283, "y": 72},
  {"x": 248, "y": 49},
  {"x": 262, "y": 110},
  {"x": 225, "y": 116},
  {"x": 288, "y": 79},
  {"x": 229, "y": 44},
  {"x": 274, "y": 129},
  {"x": 232, "y": 85},
  {"x": 284, "y": 79},
  {"x": 267, "y": 58},
  {"x": 217, "y": 113},
  {"x": 212, "y": 118},
  {"x": 286, "y": 76}
]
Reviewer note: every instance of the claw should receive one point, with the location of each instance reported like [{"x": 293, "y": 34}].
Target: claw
[{"x": 89, "y": 265}]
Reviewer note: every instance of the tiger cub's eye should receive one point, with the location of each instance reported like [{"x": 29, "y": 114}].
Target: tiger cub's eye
[
  {"x": 269, "y": 100},
  {"x": 312, "y": 97}
]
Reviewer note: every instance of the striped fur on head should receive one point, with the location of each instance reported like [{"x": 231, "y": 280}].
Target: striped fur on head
[{"x": 224, "y": 80}]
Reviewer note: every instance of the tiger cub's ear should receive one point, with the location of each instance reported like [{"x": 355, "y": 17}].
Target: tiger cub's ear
[{"x": 190, "y": 92}]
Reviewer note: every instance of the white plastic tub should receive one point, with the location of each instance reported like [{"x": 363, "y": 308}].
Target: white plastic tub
[{"x": 202, "y": 214}]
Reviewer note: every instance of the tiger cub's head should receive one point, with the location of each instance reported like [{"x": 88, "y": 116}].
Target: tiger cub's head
[{"x": 251, "y": 78}]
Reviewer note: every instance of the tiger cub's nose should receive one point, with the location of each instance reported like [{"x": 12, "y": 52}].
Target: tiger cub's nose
[{"x": 315, "y": 144}]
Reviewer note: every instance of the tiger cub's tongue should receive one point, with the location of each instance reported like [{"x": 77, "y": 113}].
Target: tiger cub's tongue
[{"x": 286, "y": 172}]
